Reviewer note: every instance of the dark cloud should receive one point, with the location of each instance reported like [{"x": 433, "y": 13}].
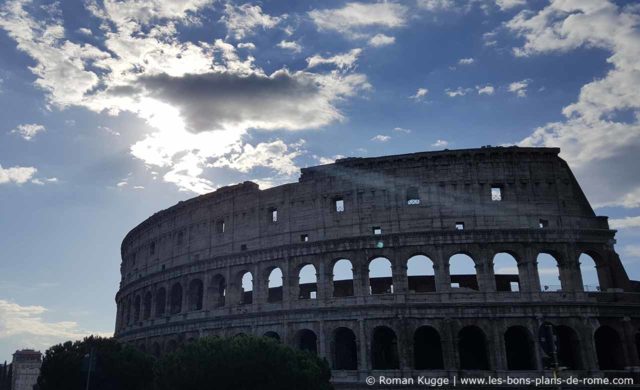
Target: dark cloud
[{"x": 219, "y": 100}]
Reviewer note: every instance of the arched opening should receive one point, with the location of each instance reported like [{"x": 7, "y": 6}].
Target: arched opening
[
  {"x": 608, "y": 348},
  {"x": 568, "y": 347},
  {"x": 589, "y": 273},
  {"x": 218, "y": 290},
  {"x": 384, "y": 349},
  {"x": 136, "y": 309},
  {"x": 462, "y": 269},
  {"x": 342, "y": 278},
  {"x": 176, "y": 299},
  {"x": 519, "y": 347},
  {"x": 505, "y": 269},
  {"x": 196, "y": 290},
  {"x": 549, "y": 273},
  {"x": 275, "y": 286},
  {"x": 420, "y": 274},
  {"x": 272, "y": 335},
  {"x": 247, "y": 289},
  {"x": 161, "y": 301},
  {"x": 472, "y": 347},
  {"x": 146, "y": 306},
  {"x": 306, "y": 340},
  {"x": 307, "y": 282},
  {"x": 427, "y": 349},
  {"x": 380, "y": 276},
  {"x": 345, "y": 355}
]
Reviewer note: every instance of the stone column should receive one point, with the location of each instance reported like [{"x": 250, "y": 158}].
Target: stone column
[
  {"x": 364, "y": 360},
  {"x": 530, "y": 262},
  {"x": 628, "y": 341},
  {"x": 441, "y": 271},
  {"x": 399, "y": 272},
  {"x": 360, "y": 275},
  {"x": 497, "y": 352},
  {"x": 185, "y": 294},
  {"x": 587, "y": 347},
  {"x": 449, "y": 341},
  {"x": 322, "y": 342},
  {"x": 485, "y": 274},
  {"x": 260, "y": 285}
]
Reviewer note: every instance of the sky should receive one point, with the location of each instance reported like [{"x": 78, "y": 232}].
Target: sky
[{"x": 112, "y": 110}]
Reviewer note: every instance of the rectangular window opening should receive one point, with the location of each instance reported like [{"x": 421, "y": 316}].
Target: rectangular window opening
[
  {"x": 377, "y": 230},
  {"x": 220, "y": 226},
  {"x": 413, "y": 196},
  {"x": 455, "y": 285},
  {"x": 496, "y": 194},
  {"x": 243, "y": 247},
  {"x": 273, "y": 215},
  {"x": 459, "y": 225},
  {"x": 304, "y": 237},
  {"x": 339, "y": 202},
  {"x": 543, "y": 223},
  {"x": 152, "y": 249},
  {"x": 515, "y": 286}
]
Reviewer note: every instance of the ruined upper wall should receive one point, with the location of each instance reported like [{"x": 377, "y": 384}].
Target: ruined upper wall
[{"x": 453, "y": 186}]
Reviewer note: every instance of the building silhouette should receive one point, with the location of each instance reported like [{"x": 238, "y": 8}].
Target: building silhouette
[{"x": 433, "y": 263}]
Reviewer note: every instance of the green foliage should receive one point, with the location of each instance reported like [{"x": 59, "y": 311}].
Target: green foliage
[
  {"x": 117, "y": 366},
  {"x": 241, "y": 363}
]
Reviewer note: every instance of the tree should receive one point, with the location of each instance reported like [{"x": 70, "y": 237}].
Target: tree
[
  {"x": 241, "y": 363},
  {"x": 116, "y": 366}
]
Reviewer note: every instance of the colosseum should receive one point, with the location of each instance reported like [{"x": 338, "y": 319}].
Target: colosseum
[{"x": 433, "y": 263}]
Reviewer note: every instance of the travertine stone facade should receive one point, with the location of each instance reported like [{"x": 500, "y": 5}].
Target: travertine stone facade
[{"x": 182, "y": 268}]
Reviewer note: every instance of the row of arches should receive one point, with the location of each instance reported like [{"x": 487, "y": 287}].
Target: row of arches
[
  {"x": 462, "y": 272},
  {"x": 472, "y": 348}
]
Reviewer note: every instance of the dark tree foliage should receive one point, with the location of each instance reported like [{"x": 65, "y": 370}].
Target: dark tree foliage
[
  {"x": 117, "y": 367},
  {"x": 241, "y": 363}
]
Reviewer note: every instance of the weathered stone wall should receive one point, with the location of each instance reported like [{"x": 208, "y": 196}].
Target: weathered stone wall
[{"x": 182, "y": 268}]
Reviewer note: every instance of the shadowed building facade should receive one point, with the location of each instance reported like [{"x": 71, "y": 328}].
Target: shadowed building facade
[{"x": 358, "y": 262}]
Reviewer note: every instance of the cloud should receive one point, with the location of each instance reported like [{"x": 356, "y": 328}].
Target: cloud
[
  {"x": 631, "y": 250},
  {"x": 16, "y": 175},
  {"x": 457, "y": 92},
  {"x": 28, "y": 131},
  {"x": 485, "y": 90},
  {"x": 379, "y": 40},
  {"x": 84, "y": 31},
  {"x": 599, "y": 145},
  {"x": 275, "y": 155},
  {"x": 288, "y": 45},
  {"x": 243, "y": 20},
  {"x": 437, "y": 5},
  {"x": 402, "y": 130},
  {"x": 508, "y": 4},
  {"x": 625, "y": 223},
  {"x": 381, "y": 138},
  {"x": 25, "y": 325},
  {"x": 342, "y": 61},
  {"x": 246, "y": 45},
  {"x": 109, "y": 130},
  {"x": 200, "y": 99},
  {"x": 440, "y": 143},
  {"x": 466, "y": 61},
  {"x": 519, "y": 87},
  {"x": 356, "y": 19},
  {"x": 420, "y": 94},
  {"x": 328, "y": 160}
]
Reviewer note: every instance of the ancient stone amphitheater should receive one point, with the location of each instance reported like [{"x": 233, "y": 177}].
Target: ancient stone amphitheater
[{"x": 363, "y": 262}]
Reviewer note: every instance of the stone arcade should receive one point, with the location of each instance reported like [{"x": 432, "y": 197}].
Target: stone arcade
[{"x": 352, "y": 263}]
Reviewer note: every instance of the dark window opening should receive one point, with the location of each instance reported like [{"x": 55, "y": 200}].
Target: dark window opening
[
  {"x": 377, "y": 230},
  {"x": 218, "y": 290},
  {"x": 146, "y": 306},
  {"x": 568, "y": 347},
  {"x": 304, "y": 237},
  {"x": 243, "y": 247},
  {"x": 220, "y": 226},
  {"x": 196, "y": 290},
  {"x": 306, "y": 340},
  {"x": 459, "y": 225},
  {"x": 519, "y": 347},
  {"x": 608, "y": 349},
  {"x": 472, "y": 346},
  {"x": 272, "y": 335},
  {"x": 427, "y": 349},
  {"x": 543, "y": 223},
  {"x": 180, "y": 238},
  {"x": 176, "y": 299},
  {"x": 152, "y": 249},
  {"x": 384, "y": 349},
  {"x": 345, "y": 354}
]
